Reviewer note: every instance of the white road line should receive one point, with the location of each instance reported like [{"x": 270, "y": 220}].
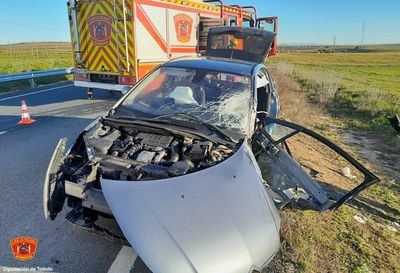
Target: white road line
[
  {"x": 124, "y": 261},
  {"x": 2, "y": 133},
  {"x": 36, "y": 92}
]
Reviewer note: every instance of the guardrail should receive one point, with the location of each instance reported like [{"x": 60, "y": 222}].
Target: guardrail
[{"x": 32, "y": 75}]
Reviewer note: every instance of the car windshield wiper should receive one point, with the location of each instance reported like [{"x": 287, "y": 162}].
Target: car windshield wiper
[
  {"x": 164, "y": 125},
  {"x": 167, "y": 122},
  {"x": 132, "y": 116},
  {"x": 208, "y": 125}
]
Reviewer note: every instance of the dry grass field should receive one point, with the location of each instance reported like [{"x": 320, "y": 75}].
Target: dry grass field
[
  {"x": 368, "y": 84},
  {"x": 15, "y": 58},
  {"x": 346, "y": 97}
]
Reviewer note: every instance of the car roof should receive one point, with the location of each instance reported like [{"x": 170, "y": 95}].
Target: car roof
[{"x": 213, "y": 64}]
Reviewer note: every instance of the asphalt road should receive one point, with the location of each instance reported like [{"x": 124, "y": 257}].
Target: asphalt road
[{"x": 25, "y": 151}]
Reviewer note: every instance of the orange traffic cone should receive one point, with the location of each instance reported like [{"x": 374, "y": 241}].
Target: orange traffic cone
[{"x": 25, "y": 117}]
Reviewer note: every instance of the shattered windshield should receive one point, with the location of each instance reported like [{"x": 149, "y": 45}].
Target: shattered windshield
[{"x": 217, "y": 98}]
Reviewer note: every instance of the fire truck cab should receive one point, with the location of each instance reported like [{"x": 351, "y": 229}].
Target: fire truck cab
[{"x": 117, "y": 42}]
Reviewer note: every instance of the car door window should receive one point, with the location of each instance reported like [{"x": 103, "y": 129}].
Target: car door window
[
  {"x": 306, "y": 169},
  {"x": 267, "y": 100},
  {"x": 262, "y": 90}
]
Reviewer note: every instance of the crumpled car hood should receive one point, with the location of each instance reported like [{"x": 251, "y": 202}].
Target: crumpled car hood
[{"x": 220, "y": 219}]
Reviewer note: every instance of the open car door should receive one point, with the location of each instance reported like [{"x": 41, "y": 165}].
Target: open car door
[
  {"x": 295, "y": 180},
  {"x": 269, "y": 24}
]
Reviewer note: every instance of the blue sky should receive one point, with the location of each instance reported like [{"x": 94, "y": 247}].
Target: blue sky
[{"x": 305, "y": 21}]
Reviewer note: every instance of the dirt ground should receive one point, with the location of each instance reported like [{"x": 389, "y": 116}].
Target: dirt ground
[{"x": 362, "y": 236}]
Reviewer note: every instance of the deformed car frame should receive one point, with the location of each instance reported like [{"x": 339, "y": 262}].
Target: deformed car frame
[{"x": 193, "y": 163}]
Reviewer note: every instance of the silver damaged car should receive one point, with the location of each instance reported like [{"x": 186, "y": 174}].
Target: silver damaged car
[{"x": 192, "y": 165}]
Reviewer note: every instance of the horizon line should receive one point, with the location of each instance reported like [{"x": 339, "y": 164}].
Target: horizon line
[{"x": 282, "y": 44}]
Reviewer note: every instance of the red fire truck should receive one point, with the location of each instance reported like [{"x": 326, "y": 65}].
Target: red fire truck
[{"x": 117, "y": 42}]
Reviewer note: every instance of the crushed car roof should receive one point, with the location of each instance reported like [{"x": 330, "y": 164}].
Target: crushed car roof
[{"x": 212, "y": 63}]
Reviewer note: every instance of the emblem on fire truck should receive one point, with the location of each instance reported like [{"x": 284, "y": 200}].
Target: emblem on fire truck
[
  {"x": 100, "y": 27},
  {"x": 183, "y": 27},
  {"x": 24, "y": 248}
]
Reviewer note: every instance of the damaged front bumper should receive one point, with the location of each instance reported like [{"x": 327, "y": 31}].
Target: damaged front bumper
[
  {"x": 52, "y": 171},
  {"x": 91, "y": 199}
]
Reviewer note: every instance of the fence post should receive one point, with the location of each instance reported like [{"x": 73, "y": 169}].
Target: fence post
[{"x": 32, "y": 82}]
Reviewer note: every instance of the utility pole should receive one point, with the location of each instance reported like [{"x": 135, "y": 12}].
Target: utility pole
[
  {"x": 10, "y": 51},
  {"x": 37, "y": 52},
  {"x": 362, "y": 34},
  {"x": 334, "y": 42}
]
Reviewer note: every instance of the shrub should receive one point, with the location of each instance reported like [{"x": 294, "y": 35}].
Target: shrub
[{"x": 324, "y": 85}]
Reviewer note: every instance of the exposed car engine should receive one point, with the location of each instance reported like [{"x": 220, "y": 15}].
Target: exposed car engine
[
  {"x": 129, "y": 154},
  {"x": 137, "y": 155}
]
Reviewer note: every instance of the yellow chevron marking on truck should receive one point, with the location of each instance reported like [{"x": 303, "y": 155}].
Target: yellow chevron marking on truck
[
  {"x": 193, "y": 4},
  {"x": 96, "y": 57},
  {"x": 206, "y": 6}
]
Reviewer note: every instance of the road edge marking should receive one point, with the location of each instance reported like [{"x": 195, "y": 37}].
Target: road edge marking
[
  {"x": 35, "y": 92},
  {"x": 124, "y": 261}
]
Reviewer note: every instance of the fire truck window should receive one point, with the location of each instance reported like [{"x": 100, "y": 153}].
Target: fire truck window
[
  {"x": 233, "y": 21},
  {"x": 226, "y": 41},
  {"x": 266, "y": 25},
  {"x": 247, "y": 23}
]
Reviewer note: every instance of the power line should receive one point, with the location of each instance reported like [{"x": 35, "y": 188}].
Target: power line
[
  {"x": 362, "y": 34},
  {"x": 29, "y": 26}
]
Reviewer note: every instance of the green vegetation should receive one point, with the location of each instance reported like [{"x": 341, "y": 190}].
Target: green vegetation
[
  {"x": 342, "y": 49},
  {"x": 335, "y": 242},
  {"x": 17, "y": 58},
  {"x": 368, "y": 84},
  {"x": 22, "y": 57},
  {"x": 357, "y": 91}
]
